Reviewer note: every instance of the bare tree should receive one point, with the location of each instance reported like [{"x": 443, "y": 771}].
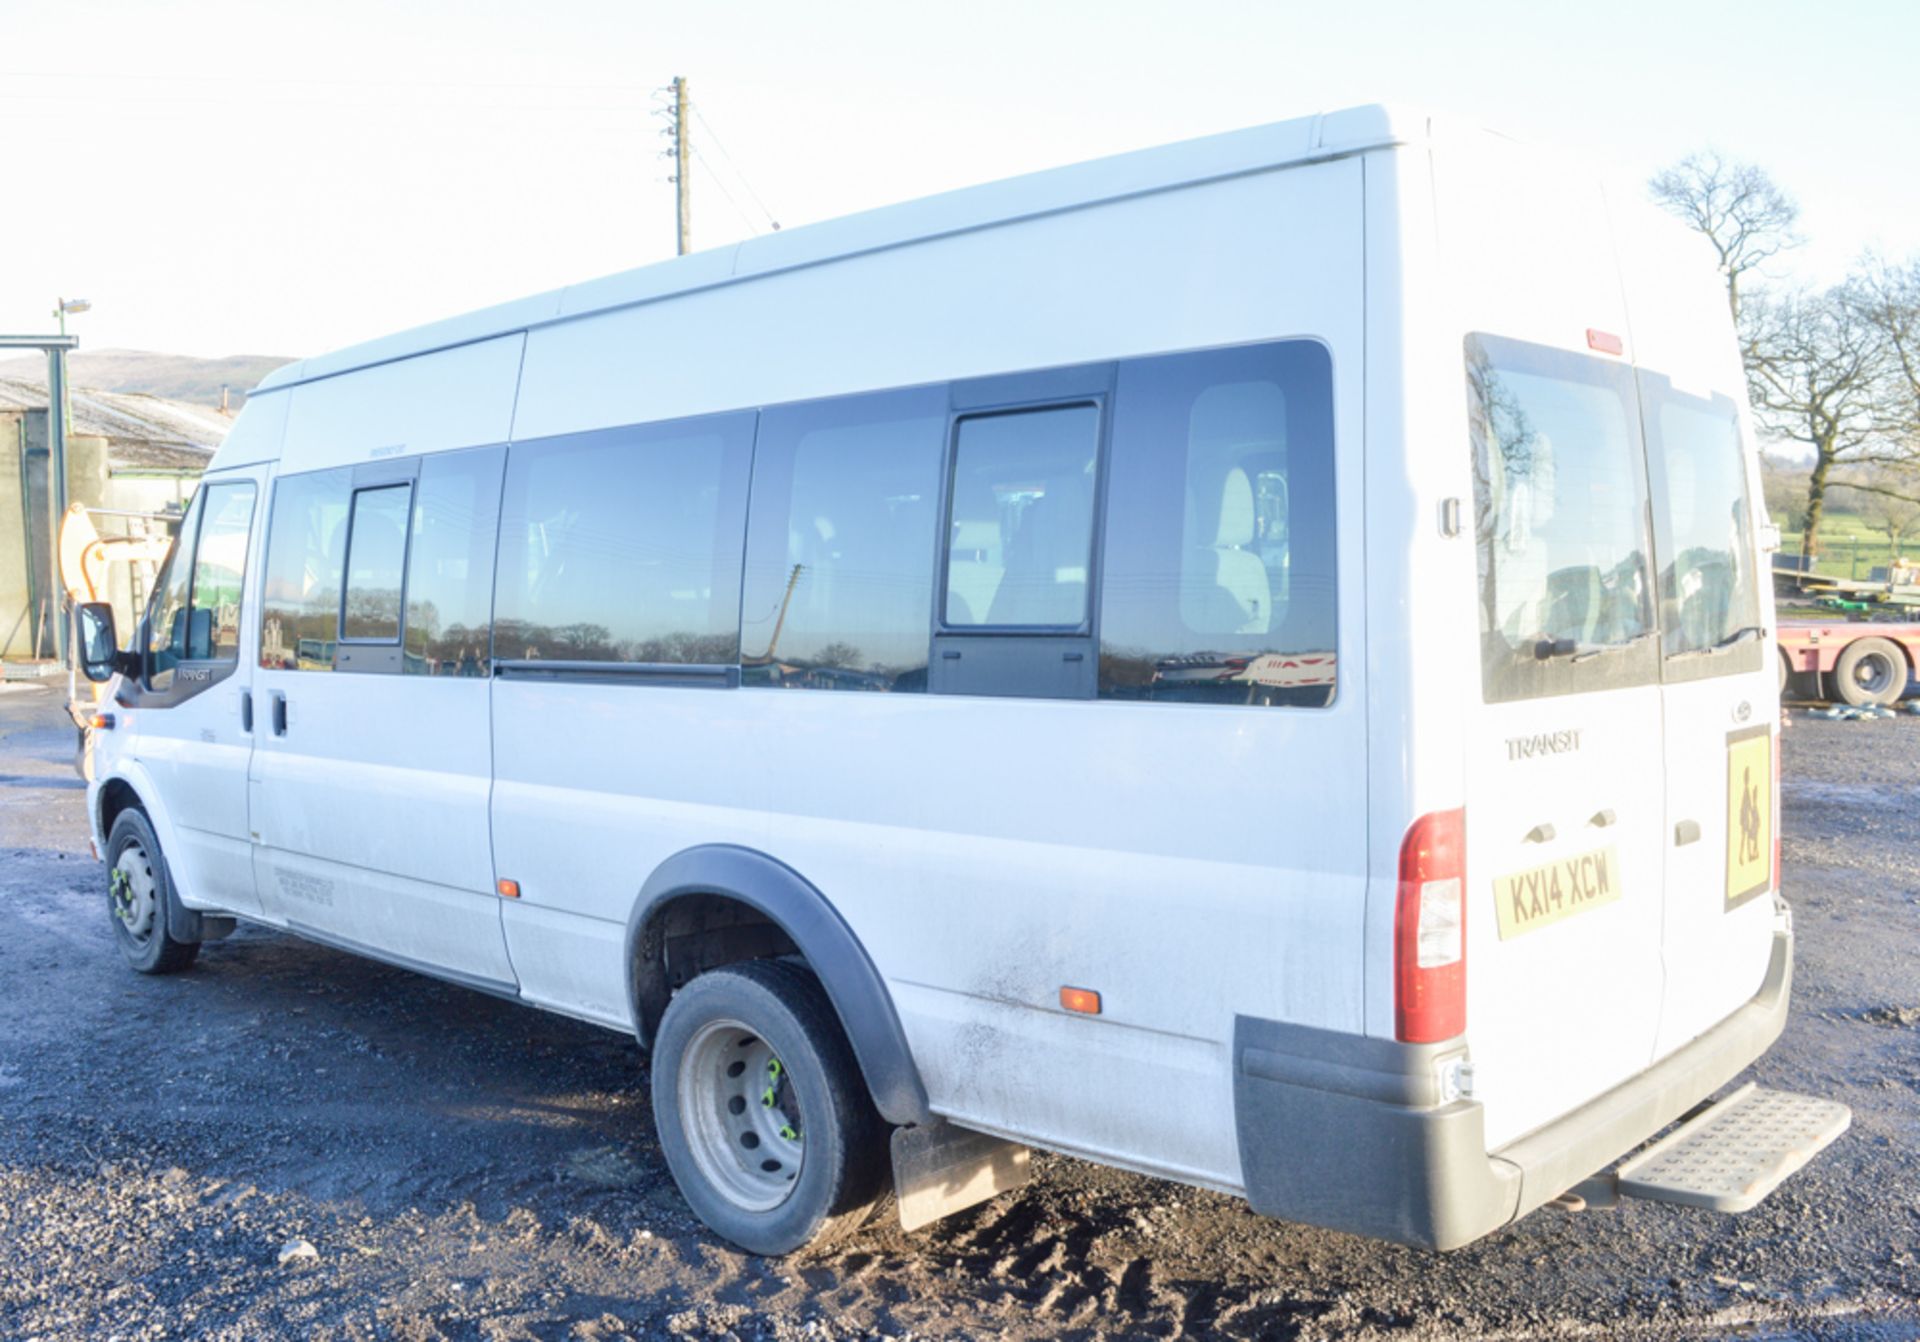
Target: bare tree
[
  {"x": 1815, "y": 370},
  {"x": 1736, "y": 206},
  {"x": 1888, "y": 298}
]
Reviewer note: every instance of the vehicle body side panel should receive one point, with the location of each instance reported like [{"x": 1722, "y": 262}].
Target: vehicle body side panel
[{"x": 988, "y": 852}]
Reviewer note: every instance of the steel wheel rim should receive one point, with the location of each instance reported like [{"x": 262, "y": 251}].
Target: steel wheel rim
[
  {"x": 133, "y": 892},
  {"x": 741, "y": 1115},
  {"x": 1873, "y": 673}
]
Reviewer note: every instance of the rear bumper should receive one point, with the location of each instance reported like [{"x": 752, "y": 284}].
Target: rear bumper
[{"x": 1354, "y": 1134}]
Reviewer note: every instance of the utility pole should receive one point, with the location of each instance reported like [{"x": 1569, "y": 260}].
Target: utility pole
[{"x": 682, "y": 180}]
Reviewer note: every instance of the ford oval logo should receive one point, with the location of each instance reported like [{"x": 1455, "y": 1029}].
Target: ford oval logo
[{"x": 1742, "y": 711}]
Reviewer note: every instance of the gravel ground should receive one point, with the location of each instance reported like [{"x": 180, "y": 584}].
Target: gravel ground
[{"x": 465, "y": 1168}]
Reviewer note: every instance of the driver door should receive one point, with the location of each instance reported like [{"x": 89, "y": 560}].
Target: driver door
[{"x": 193, "y": 708}]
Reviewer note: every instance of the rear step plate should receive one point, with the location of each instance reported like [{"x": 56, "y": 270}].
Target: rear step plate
[{"x": 1736, "y": 1152}]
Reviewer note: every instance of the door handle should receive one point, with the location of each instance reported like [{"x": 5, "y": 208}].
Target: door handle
[
  {"x": 1686, "y": 832},
  {"x": 279, "y": 713},
  {"x": 246, "y": 710}
]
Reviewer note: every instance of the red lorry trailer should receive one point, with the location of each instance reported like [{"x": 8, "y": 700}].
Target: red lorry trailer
[{"x": 1857, "y": 662}]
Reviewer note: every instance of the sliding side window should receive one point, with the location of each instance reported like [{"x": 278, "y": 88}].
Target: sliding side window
[
  {"x": 1016, "y": 586},
  {"x": 376, "y": 571},
  {"x": 620, "y": 550}
]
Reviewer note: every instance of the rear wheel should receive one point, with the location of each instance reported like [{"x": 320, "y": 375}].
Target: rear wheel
[
  {"x": 763, "y": 1115},
  {"x": 139, "y": 889},
  {"x": 1870, "y": 671}
]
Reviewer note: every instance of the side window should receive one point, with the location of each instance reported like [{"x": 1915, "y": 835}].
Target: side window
[
  {"x": 376, "y": 563},
  {"x": 1020, "y": 537},
  {"x": 172, "y": 593},
  {"x": 1217, "y": 581},
  {"x": 306, "y": 558},
  {"x": 219, "y": 571},
  {"x": 624, "y": 546},
  {"x": 456, "y": 510},
  {"x": 839, "y": 585}
]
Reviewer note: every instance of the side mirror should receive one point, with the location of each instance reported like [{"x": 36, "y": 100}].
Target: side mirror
[
  {"x": 1769, "y": 536},
  {"x": 99, "y": 648}
]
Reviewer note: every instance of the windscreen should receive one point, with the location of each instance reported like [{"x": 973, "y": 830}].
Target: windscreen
[{"x": 1565, "y": 597}]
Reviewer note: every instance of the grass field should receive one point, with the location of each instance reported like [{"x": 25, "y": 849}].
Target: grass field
[{"x": 1849, "y": 546}]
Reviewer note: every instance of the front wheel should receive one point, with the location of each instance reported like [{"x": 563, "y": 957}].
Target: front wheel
[
  {"x": 763, "y": 1115},
  {"x": 139, "y": 889}
]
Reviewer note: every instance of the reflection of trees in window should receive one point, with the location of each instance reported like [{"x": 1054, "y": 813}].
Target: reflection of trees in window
[
  {"x": 373, "y": 613},
  {"x": 584, "y": 641},
  {"x": 1503, "y": 438}
]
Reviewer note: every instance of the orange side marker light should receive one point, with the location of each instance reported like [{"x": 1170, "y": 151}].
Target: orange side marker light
[
  {"x": 1604, "y": 341},
  {"x": 508, "y": 889},
  {"x": 1084, "y": 1000},
  {"x": 100, "y": 721}
]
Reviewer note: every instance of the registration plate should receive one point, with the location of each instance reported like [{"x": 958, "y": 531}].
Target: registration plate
[{"x": 1548, "y": 893}]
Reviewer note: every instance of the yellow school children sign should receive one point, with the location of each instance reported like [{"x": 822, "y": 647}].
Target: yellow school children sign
[{"x": 1749, "y": 814}]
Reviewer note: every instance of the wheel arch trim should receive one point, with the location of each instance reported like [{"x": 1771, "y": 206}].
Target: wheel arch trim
[{"x": 852, "y": 982}]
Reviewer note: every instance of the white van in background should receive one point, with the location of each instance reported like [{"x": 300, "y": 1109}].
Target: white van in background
[{"x": 1245, "y": 661}]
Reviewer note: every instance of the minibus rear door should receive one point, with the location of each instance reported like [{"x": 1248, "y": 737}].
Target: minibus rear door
[
  {"x": 1720, "y": 709},
  {"x": 1565, "y": 800}
]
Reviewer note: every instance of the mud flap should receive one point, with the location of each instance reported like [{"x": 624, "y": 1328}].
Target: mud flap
[{"x": 939, "y": 1169}]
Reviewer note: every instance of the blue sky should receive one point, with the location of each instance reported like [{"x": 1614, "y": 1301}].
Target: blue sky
[{"x": 287, "y": 177}]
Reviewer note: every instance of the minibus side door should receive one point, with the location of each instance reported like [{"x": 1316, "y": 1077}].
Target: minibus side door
[
  {"x": 193, "y": 707},
  {"x": 370, "y": 782}
]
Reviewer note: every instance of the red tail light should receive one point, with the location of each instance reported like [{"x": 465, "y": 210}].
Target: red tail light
[{"x": 1430, "y": 930}]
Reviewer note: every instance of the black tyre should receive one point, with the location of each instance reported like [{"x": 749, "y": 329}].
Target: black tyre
[
  {"x": 762, "y": 1112},
  {"x": 1786, "y": 674},
  {"x": 1870, "y": 671},
  {"x": 139, "y": 889}
]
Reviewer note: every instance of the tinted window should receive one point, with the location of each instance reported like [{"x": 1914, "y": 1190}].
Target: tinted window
[
  {"x": 625, "y": 546},
  {"x": 376, "y": 560},
  {"x": 173, "y": 588},
  {"x": 1021, "y": 533},
  {"x": 1217, "y": 582},
  {"x": 1709, "y": 592},
  {"x": 219, "y": 570},
  {"x": 306, "y": 556},
  {"x": 839, "y": 590},
  {"x": 1564, "y": 595},
  {"x": 450, "y": 563}
]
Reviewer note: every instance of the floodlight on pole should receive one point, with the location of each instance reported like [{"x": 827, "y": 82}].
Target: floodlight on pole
[{"x": 66, "y": 305}]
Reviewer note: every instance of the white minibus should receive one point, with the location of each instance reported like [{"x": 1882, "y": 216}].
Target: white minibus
[{"x": 1248, "y": 661}]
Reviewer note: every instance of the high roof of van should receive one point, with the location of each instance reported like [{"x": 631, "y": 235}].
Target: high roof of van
[{"x": 1302, "y": 140}]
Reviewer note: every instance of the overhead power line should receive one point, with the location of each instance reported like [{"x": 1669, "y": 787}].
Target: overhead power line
[{"x": 718, "y": 144}]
